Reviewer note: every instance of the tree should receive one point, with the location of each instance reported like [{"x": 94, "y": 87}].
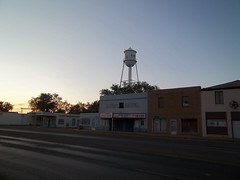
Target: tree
[
  {"x": 126, "y": 88},
  {"x": 104, "y": 92},
  {"x": 5, "y": 106},
  {"x": 78, "y": 108},
  {"x": 84, "y": 108},
  {"x": 93, "y": 107},
  {"x": 45, "y": 102},
  {"x": 63, "y": 107}
]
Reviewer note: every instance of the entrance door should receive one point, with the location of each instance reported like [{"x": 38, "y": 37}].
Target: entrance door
[
  {"x": 173, "y": 126},
  {"x": 189, "y": 125},
  {"x": 236, "y": 129},
  {"x": 125, "y": 125}
]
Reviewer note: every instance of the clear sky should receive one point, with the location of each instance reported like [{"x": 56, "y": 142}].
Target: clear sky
[{"x": 75, "y": 47}]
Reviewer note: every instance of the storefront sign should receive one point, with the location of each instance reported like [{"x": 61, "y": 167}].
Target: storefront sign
[
  {"x": 129, "y": 115},
  {"x": 106, "y": 115},
  {"x": 123, "y": 115}
]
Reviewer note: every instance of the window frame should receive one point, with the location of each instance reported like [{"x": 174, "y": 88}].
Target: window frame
[
  {"x": 121, "y": 105},
  {"x": 185, "y": 101},
  {"x": 74, "y": 122},
  {"x": 219, "y": 97},
  {"x": 61, "y": 121},
  {"x": 162, "y": 125},
  {"x": 161, "y": 102}
]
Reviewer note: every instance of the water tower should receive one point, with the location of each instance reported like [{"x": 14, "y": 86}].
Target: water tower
[{"x": 129, "y": 61}]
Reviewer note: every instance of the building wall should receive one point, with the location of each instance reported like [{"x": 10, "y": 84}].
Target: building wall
[
  {"x": 209, "y": 106},
  {"x": 133, "y": 104},
  {"x": 45, "y": 119},
  {"x": 67, "y": 120},
  {"x": 167, "y": 106},
  {"x": 89, "y": 121},
  {"x": 13, "y": 118}
]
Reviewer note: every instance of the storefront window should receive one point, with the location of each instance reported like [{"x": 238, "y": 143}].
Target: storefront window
[
  {"x": 61, "y": 121},
  {"x": 160, "y": 125}
]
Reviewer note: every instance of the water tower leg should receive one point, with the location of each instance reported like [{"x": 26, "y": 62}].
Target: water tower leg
[
  {"x": 130, "y": 76},
  {"x": 121, "y": 76},
  {"x": 137, "y": 73}
]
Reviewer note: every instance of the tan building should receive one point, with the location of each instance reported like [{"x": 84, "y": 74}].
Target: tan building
[
  {"x": 175, "y": 111},
  {"x": 221, "y": 110}
]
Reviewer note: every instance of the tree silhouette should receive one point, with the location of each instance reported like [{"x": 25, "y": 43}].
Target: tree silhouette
[
  {"x": 93, "y": 107},
  {"x": 5, "y": 106},
  {"x": 126, "y": 88},
  {"x": 45, "y": 102},
  {"x": 77, "y": 108}
]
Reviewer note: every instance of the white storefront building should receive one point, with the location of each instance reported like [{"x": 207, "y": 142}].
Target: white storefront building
[
  {"x": 124, "y": 112},
  {"x": 85, "y": 121}
]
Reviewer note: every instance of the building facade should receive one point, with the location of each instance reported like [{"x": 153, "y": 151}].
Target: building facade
[
  {"x": 221, "y": 110},
  {"x": 175, "y": 111},
  {"x": 48, "y": 119},
  {"x": 14, "y": 118},
  {"x": 85, "y": 121},
  {"x": 124, "y": 112},
  {"x": 209, "y": 112},
  {"x": 89, "y": 121}
]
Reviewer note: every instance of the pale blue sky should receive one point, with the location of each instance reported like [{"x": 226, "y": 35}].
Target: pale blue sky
[{"x": 75, "y": 47}]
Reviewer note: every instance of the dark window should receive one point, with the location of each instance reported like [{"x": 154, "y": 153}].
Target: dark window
[
  {"x": 161, "y": 102},
  {"x": 121, "y": 105},
  {"x": 73, "y": 122},
  {"x": 189, "y": 125},
  {"x": 61, "y": 121},
  {"x": 219, "y": 97},
  {"x": 86, "y": 121},
  {"x": 235, "y": 116},
  {"x": 185, "y": 101},
  {"x": 160, "y": 125}
]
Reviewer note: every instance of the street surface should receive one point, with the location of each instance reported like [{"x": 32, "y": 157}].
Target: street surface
[{"x": 37, "y": 154}]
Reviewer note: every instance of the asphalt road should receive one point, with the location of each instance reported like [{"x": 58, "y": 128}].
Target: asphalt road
[{"x": 26, "y": 154}]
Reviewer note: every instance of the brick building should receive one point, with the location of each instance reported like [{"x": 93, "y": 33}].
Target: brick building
[{"x": 175, "y": 111}]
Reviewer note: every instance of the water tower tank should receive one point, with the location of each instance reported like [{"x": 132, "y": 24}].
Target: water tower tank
[
  {"x": 130, "y": 57},
  {"x": 129, "y": 61}
]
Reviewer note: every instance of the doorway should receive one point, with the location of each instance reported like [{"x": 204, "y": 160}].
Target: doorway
[{"x": 124, "y": 125}]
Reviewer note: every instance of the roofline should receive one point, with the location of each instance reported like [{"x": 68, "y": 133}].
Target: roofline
[
  {"x": 179, "y": 88},
  {"x": 214, "y": 89},
  {"x": 130, "y": 49}
]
